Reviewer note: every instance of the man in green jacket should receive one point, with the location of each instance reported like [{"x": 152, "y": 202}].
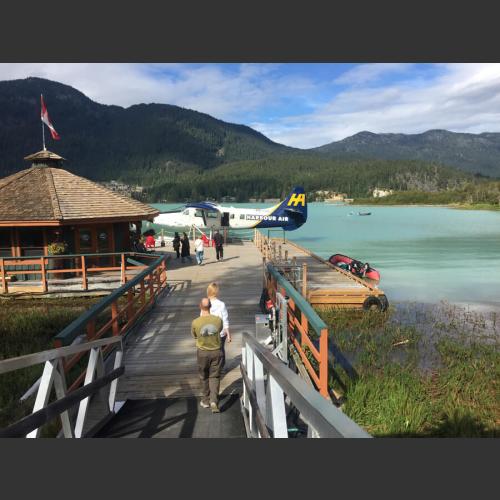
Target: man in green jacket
[{"x": 206, "y": 330}]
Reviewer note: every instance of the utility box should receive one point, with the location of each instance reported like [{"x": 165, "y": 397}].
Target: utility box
[{"x": 262, "y": 329}]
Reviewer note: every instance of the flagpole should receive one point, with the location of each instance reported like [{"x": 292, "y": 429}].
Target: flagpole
[{"x": 43, "y": 130}]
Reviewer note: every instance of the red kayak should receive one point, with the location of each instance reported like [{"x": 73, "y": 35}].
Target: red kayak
[{"x": 354, "y": 266}]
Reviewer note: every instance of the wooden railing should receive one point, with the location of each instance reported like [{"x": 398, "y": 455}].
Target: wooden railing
[
  {"x": 307, "y": 331},
  {"x": 81, "y": 265},
  {"x": 116, "y": 314}
]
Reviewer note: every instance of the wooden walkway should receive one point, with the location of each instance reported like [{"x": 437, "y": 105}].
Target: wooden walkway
[{"x": 160, "y": 359}]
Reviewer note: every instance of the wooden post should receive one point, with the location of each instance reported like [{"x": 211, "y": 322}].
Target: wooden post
[
  {"x": 323, "y": 363},
  {"x": 84, "y": 274},
  {"x": 286, "y": 255},
  {"x": 91, "y": 330},
  {"x": 114, "y": 316},
  {"x": 151, "y": 289},
  {"x": 143, "y": 293},
  {"x": 280, "y": 253},
  {"x": 130, "y": 305},
  {"x": 44, "y": 276},
  {"x": 304, "y": 281},
  {"x": 4, "y": 280},
  {"x": 123, "y": 278},
  {"x": 163, "y": 272}
]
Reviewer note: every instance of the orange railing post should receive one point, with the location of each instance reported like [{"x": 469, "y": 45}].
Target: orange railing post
[
  {"x": 151, "y": 287},
  {"x": 4, "y": 277},
  {"x": 114, "y": 317},
  {"x": 123, "y": 278},
  {"x": 130, "y": 304},
  {"x": 323, "y": 363},
  {"x": 44, "y": 275},
  {"x": 84, "y": 273},
  {"x": 91, "y": 330}
]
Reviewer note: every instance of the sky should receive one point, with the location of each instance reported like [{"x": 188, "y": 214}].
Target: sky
[{"x": 301, "y": 105}]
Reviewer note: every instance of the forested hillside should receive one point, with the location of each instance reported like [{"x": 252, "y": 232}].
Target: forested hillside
[
  {"x": 273, "y": 177},
  {"x": 109, "y": 142},
  {"x": 474, "y": 153}
]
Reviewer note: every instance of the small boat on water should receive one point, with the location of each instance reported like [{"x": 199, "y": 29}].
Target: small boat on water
[
  {"x": 356, "y": 267},
  {"x": 359, "y": 213}
]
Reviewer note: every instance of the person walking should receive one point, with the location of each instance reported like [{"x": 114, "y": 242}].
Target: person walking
[
  {"x": 219, "y": 250},
  {"x": 218, "y": 308},
  {"x": 199, "y": 249},
  {"x": 206, "y": 330},
  {"x": 176, "y": 243},
  {"x": 185, "y": 250}
]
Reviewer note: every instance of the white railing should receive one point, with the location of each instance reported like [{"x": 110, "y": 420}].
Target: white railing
[
  {"x": 271, "y": 389},
  {"x": 54, "y": 377}
]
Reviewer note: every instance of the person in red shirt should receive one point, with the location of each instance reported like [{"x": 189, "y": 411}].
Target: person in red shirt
[{"x": 150, "y": 241}]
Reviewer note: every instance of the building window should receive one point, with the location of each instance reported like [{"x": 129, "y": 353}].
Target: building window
[
  {"x": 31, "y": 241},
  {"x": 5, "y": 243}
]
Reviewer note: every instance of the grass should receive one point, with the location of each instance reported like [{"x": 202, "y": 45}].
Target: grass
[
  {"x": 429, "y": 372},
  {"x": 28, "y": 326}
]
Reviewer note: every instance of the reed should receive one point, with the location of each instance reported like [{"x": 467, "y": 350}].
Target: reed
[{"x": 424, "y": 371}]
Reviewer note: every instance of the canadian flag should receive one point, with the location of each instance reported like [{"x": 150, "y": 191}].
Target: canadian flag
[{"x": 46, "y": 120}]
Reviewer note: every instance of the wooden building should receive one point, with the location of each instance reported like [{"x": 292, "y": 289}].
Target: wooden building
[{"x": 45, "y": 204}]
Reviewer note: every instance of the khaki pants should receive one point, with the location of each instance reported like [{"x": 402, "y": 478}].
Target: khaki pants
[{"x": 209, "y": 366}]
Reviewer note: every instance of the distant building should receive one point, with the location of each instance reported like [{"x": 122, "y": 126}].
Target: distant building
[
  {"x": 45, "y": 204},
  {"x": 381, "y": 193}
]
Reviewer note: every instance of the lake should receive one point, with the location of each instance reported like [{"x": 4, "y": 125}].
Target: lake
[{"x": 424, "y": 254}]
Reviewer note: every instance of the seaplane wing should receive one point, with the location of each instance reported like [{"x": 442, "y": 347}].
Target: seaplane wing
[{"x": 289, "y": 215}]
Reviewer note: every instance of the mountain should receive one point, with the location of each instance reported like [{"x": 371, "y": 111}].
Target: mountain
[
  {"x": 108, "y": 142},
  {"x": 179, "y": 154},
  {"x": 474, "y": 153}
]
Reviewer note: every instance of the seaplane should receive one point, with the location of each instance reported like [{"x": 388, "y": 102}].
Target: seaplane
[{"x": 289, "y": 215}]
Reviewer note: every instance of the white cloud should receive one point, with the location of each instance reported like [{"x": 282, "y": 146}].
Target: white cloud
[
  {"x": 210, "y": 89},
  {"x": 365, "y": 73},
  {"x": 462, "y": 98}
]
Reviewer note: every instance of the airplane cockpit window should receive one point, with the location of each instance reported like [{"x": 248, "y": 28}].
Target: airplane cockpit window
[
  {"x": 212, "y": 215},
  {"x": 186, "y": 212},
  {"x": 198, "y": 213}
]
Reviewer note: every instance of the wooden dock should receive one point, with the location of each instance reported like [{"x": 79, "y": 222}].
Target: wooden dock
[
  {"x": 325, "y": 284},
  {"x": 161, "y": 357}
]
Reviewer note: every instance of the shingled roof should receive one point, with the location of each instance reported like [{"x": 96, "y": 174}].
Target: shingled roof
[{"x": 44, "y": 193}]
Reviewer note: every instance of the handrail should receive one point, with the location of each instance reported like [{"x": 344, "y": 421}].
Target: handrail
[
  {"x": 322, "y": 416},
  {"x": 68, "y": 256},
  {"x": 314, "y": 320},
  {"x": 300, "y": 317},
  {"x": 53, "y": 377},
  {"x": 69, "y": 333},
  {"x": 37, "y": 419},
  {"x": 11, "y": 364}
]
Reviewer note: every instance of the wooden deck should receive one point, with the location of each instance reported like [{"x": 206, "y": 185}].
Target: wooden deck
[
  {"x": 160, "y": 359},
  {"x": 328, "y": 285}
]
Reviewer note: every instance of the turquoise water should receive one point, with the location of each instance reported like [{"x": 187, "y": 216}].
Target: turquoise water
[{"x": 424, "y": 254}]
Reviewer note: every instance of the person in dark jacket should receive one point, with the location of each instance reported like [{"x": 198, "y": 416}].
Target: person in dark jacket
[
  {"x": 185, "y": 251},
  {"x": 176, "y": 243},
  {"x": 219, "y": 250}
]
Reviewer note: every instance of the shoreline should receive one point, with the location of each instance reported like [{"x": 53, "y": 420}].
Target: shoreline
[{"x": 455, "y": 206}]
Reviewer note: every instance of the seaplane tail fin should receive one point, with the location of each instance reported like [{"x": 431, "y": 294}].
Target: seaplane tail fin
[{"x": 294, "y": 207}]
